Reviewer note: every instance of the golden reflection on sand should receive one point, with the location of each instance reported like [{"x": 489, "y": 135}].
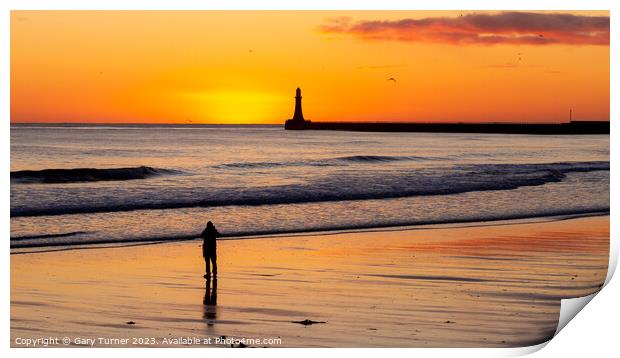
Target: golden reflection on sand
[{"x": 484, "y": 286}]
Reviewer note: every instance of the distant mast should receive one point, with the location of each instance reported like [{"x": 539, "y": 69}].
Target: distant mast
[{"x": 570, "y": 115}]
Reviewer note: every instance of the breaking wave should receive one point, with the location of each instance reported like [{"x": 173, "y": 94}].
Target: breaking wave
[
  {"x": 55, "y": 176},
  {"x": 338, "y": 161},
  {"x": 342, "y": 187}
]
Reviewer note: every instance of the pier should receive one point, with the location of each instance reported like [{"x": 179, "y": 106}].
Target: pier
[{"x": 572, "y": 127}]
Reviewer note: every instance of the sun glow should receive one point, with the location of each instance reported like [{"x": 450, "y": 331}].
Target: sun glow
[
  {"x": 241, "y": 107},
  {"x": 244, "y": 66}
]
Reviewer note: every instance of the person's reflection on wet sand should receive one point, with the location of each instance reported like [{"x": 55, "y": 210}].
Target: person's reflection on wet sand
[{"x": 210, "y": 301}]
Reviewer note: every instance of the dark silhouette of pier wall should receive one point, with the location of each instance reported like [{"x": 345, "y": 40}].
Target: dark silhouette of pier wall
[{"x": 574, "y": 127}]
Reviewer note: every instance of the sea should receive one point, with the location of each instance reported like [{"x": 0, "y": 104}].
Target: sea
[{"x": 78, "y": 186}]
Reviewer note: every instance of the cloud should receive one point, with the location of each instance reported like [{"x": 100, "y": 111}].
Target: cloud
[{"x": 525, "y": 28}]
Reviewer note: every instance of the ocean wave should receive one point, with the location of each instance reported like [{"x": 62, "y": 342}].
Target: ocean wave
[
  {"x": 73, "y": 239},
  {"x": 341, "y": 187},
  {"x": 338, "y": 161},
  {"x": 48, "y": 236},
  {"x": 265, "y": 165},
  {"x": 382, "y": 158},
  {"x": 55, "y": 176}
]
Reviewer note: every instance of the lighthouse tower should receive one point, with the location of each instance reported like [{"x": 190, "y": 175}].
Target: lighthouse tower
[
  {"x": 298, "y": 121},
  {"x": 298, "y": 116}
]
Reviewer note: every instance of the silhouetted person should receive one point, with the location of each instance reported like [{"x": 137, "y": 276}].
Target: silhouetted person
[{"x": 209, "y": 248}]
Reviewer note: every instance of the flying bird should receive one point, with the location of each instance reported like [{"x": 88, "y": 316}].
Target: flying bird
[
  {"x": 392, "y": 79},
  {"x": 520, "y": 57}
]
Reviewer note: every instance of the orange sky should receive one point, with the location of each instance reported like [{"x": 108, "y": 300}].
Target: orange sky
[{"x": 243, "y": 67}]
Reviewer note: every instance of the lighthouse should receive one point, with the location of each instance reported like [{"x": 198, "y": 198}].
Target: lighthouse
[
  {"x": 298, "y": 121},
  {"x": 298, "y": 116}
]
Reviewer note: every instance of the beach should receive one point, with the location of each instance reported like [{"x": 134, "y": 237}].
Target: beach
[{"x": 488, "y": 284}]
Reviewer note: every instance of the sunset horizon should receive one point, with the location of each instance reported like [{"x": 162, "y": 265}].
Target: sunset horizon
[{"x": 227, "y": 67}]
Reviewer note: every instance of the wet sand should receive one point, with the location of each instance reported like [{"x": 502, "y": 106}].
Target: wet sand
[{"x": 485, "y": 285}]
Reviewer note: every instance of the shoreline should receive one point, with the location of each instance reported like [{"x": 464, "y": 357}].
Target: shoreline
[
  {"x": 302, "y": 233},
  {"x": 475, "y": 286}
]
